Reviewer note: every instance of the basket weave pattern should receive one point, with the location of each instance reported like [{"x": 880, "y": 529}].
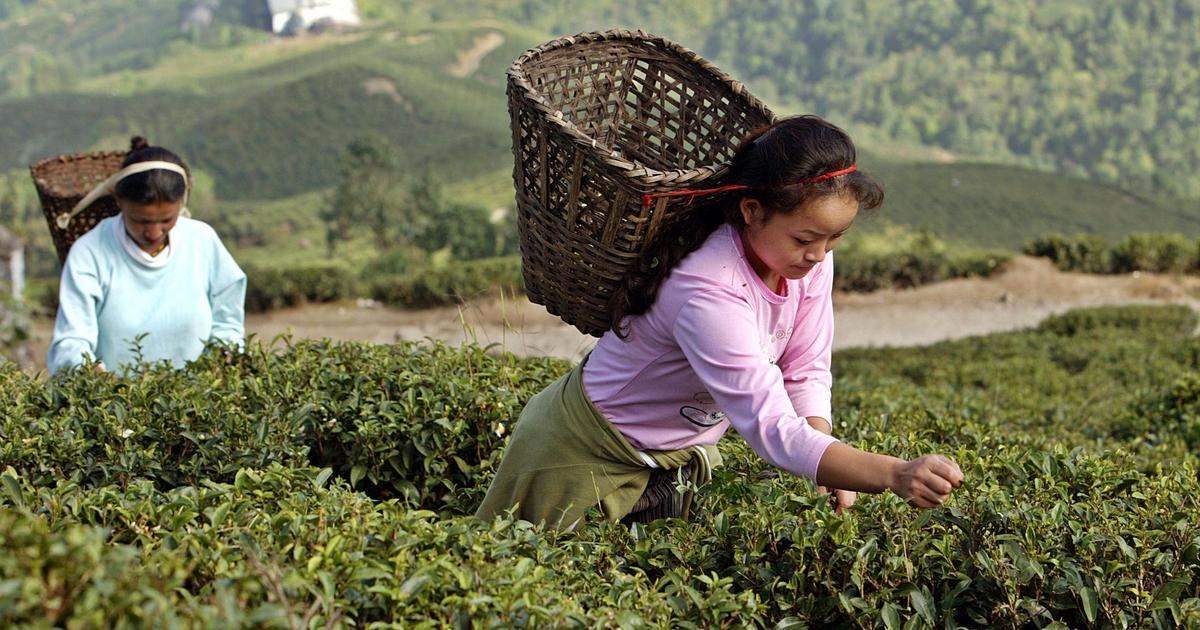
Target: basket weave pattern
[
  {"x": 598, "y": 121},
  {"x": 63, "y": 180}
]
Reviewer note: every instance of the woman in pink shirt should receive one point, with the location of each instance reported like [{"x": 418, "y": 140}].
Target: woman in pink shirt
[{"x": 729, "y": 321}]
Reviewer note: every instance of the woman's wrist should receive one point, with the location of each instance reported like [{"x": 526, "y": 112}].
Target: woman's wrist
[{"x": 894, "y": 466}]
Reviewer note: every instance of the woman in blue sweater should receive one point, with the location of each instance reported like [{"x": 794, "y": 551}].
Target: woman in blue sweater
[{"x": 148, "y": 277}]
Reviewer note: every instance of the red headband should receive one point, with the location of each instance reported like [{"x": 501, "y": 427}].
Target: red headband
[{"x": 647, "y": 200}]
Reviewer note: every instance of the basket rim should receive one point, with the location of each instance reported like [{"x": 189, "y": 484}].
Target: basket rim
[
  {"x": 36, "y": 168},
  {"x": 71, "y": 157},
  {"x": 650, "y": 178}
]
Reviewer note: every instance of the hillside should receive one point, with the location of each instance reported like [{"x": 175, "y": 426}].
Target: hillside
[
  {"x": 265, "y": 120},
  {"x": 268, "y": 119}
]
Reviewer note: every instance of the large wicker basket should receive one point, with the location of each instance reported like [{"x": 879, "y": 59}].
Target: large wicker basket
[
  {"x": 598, "y": 121},
  {"x": 63, "y": 180}
]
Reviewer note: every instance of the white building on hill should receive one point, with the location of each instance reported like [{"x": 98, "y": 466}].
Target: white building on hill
[{"x": 301, "y": 15}]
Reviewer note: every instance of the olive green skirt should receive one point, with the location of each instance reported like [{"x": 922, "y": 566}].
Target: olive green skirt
[{"x": 565, "y": 456}]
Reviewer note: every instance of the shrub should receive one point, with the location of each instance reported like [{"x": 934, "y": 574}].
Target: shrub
[
  {"x": 173, "y": 427},
  {"x": 454, "y": 282},
  {"x": 421, "y": 423},
  {"x": 276, "y": 287},
  {"x": 1087, "y": 253},
  {"x": 900, "y": 258},
  {"x": 467, "y": 231},
  {"x": 41, "y": 296},
  {"x": 976, "y": 263},
  {"x": 1173, "y": 321},
  {"x": 1056, "y": 524},
  {"x": 1165, "y": 415},
  {"x": 1152, "y": 252}
]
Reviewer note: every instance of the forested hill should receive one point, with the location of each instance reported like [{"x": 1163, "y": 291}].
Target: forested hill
[
  {"x": 1107, "y": 89},
  {"x": 1102, "y": 88}
]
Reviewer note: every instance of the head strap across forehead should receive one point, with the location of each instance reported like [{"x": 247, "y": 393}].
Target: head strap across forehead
[{"x": 107, "y": 186}]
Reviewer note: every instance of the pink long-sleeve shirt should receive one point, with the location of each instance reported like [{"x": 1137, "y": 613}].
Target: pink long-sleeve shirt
[{"x": 718, "y": 347}]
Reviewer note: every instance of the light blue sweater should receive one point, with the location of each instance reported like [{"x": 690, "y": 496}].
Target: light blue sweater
[{"x": 108, "y": 297}]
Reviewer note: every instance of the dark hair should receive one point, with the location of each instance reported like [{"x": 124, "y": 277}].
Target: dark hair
[
  {"x": 154, "y": 186},
  {"x": 775, "y": 163}
]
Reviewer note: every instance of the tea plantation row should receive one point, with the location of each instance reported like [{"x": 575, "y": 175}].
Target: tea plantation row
[{"x": 322, "y": 485}]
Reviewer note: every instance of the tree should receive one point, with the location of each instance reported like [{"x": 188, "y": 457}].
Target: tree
[{"x": 369, "y": 194}]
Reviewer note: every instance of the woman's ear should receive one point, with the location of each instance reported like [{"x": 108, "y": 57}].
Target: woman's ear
[{"x": 752, "y": 211}]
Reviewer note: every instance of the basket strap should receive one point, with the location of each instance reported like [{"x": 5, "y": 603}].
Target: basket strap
[{"x": 106, "y": 187}]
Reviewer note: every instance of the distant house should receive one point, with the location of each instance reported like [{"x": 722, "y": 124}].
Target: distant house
[{"x": 292, "y": 16}]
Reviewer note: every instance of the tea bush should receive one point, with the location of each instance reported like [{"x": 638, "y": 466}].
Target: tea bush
[
  {"x": 276, "y": 287},
  {"x": 1170, "y": 321},
  {"x": 1082, "y": 252},
  {"x": 423, "y": 423},
  {"x": 901, "y": 258},
  {"x": 338, "y": 489},
  {"x": 409, "y": 420},
  {"x": 172, "y": 427},
  {"x": 451, "y": 283},
  {"x": 1153, "y": 252}
]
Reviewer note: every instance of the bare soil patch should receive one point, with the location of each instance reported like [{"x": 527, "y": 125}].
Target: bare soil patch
[{"x": 468, "y": 59}]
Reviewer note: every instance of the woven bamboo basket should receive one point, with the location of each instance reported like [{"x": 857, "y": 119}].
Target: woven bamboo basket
[
  {"x": 598, "y": 121},
  {"x": 63, "y": 180}
]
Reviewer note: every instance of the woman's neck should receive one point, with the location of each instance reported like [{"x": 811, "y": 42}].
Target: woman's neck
[{"x": 773, "y": 281}]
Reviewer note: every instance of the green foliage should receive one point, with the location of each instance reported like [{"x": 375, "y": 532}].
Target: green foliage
[
  {"x": 15, "y": 326},
  {"x": 1082, "y": 252},
  {"x": 171, "y": 427},
  {"x": 468, "y": 232},
  {"x": 82, "y": 581},
  {"x": 267, "y": 120},
  {"x": 1169, "y": 321},
  {"x": 451, "y": 283},
  {"x": 369, "y": 195},
  {"x": 1161, "y": 253},
  {"x": 45, "y": 46},
  {"x": 276, "y": 287},
  {"x": 408, "y": 217},
  {"x": 1153, "y": 252},
  {"x": 407, "y": 421},
  {"x": 994, "y": 205},
  {"x": 1163, "y": 415},
  {"x": 1065, "y": 88},
  {"x": 1070, "y": 514},
  {"x": 402, "y": 420},
  {"x": 902, "y": 258}
]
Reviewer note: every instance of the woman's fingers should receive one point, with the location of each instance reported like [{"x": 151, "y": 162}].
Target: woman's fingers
[
  {"x": 845, "y": 499},
  {"x": 927, "y": 499},
  {"x": 935, "y": 478},
  {"x": 948, "y": 470}
]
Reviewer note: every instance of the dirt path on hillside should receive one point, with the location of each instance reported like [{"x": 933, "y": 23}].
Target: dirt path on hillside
[
  {"x": 1022, "y": 294},
  {"x": 468, "y": 59},
  {"x": 1025, "y": 292}
]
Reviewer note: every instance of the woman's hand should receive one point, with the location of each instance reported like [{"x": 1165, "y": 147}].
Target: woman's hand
[
  {"x": 842, "y": 498},
  {"x": 926, "y": 481}
]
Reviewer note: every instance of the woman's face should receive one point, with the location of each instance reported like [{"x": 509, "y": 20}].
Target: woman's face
[
  {"x": 790, "y": 243},
  {"x": 148, "y": 223}
]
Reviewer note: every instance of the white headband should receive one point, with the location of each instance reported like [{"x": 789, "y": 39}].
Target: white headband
[{"x": 106, "y": 187}]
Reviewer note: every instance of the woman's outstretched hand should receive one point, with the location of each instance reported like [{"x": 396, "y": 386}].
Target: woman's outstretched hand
[
  {"x": 926, "y": 481},
  {"x": 842, "y": 498}
]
